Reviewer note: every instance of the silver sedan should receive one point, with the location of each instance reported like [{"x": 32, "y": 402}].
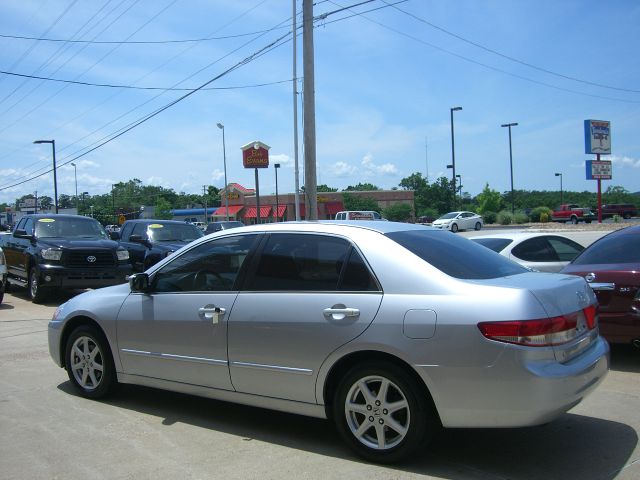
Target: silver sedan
[{"x": 391, "y": 330}]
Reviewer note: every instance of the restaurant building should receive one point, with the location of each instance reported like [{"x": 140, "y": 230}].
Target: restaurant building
[{"x": 243, "y": 205}]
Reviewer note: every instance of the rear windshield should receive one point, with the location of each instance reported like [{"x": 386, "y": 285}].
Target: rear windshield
[
  {"x": 620, "y": 248},
  {"x": 456, "y": 256},
  {"x": 495, "y": 244}
]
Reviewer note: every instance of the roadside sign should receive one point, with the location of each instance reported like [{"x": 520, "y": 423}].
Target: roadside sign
[
  {"x": 121, "y": 219},
  {"x": 599, "y": 170},
  {"x": 255, "y": 155},
  {"x": 597, "y": 137}
]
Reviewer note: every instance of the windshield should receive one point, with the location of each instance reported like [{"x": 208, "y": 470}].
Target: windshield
[
  {"x": 456, "y": 256},
  {"x": 173, "y": 232},
  {"x": 448, "y": 215},
  {"x": 619, "y": 248},
  {"x": 77, "y": 227}
]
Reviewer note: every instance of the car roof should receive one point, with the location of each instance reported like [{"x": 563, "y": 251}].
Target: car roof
[
  {"x": 56, "y": 215},
  {"x": 518, "y": 235}
]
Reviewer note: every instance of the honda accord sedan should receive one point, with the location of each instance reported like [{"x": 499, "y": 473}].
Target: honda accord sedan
[{"x": 390, "y": 330}]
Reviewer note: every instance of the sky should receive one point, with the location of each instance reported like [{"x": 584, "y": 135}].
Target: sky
[{"x": 387, "y": 73}]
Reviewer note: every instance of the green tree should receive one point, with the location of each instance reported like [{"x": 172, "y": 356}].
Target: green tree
[
  {"x": 163, "y": 209},
  {"x": 400, "y": 212},
  {"x": 325, "y": 188},
  {"x": 437, "y": 196},
  {"x": 361, "y": 187},
  {"x": 489, "y": 200},
  {"x": 358, "y": 202}
]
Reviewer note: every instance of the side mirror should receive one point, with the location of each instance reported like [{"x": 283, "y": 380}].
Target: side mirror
[
  {"x": 114, "y": 235},
  {"x": 140, "y": 239},
  {"x": 139, "y": 282},
  {"x": 22, "y": 234}
]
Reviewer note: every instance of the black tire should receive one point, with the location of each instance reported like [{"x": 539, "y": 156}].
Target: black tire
[
  {"x": 454, "y": 227},
  {"x": 574, "y": 220},
  {"x": 381, "y": 442},
  {"x": 478, "y": 225},
  {"x": 626, "y": 215},
  {"x": 35, "y": 290},
  {"x": 2, "y": 289},
  {"x": 89, "y": 362}
]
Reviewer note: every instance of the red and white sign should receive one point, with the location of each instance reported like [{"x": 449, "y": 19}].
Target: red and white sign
[{"x": 255, "y": 155}]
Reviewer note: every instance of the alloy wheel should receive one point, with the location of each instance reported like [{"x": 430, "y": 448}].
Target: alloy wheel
[{"x": 87, "y": 363}]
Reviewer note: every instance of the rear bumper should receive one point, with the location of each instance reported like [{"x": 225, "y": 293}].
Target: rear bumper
[
  {"x": 62, "y": 277},
  {"x": 515, "y": 392}
]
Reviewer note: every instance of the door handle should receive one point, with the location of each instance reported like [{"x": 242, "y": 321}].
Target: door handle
[
  {"x": 211, "y": 313},
  {"x": 602, "y": 286},
  {"x": 339, "y": 312}
]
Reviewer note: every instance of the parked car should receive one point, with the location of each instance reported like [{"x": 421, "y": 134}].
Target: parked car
[
  {"x": 47, "y": 253},
  {"x": 200, "y": 225},
  {"x": 359, "y": 215},
  {"x": 611, "y": 265},
  {"x": 149, "y": 241},
  {"x": 389, "y": 329},
  {"x": 455, "y": 221},
  {"x": 3, "y": 275},
  {"x": 222, "y": 225},
  {"x": 112, "y": 228},
  {"x": 624, "y": 210},
  {"x": 539, "y": 251}
]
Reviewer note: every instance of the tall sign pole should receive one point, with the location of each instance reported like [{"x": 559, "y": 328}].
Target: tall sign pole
[{"x": 310, "y": 181}]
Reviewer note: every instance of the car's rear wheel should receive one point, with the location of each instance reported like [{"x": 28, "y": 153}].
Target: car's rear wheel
[
  {"x": 36, "y": 291},
  {"x": 89, "y": 362},
  {"x": 478, "y": 225},
  {"x": 382, "y": 413},
  {"x": 454, "y": 227},
  {"x": 574, "y": 220}
]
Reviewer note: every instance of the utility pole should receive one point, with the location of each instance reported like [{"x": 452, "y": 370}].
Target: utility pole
[
  {"x": 309, "y": 106},
  {"x": 295, "y": 112},
  {"x": 35, "y": 208}
]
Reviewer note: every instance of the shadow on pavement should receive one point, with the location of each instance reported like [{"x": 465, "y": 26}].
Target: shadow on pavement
[
  {"x": 573, "y": 447},
  {"x": 625, "y": 358}
]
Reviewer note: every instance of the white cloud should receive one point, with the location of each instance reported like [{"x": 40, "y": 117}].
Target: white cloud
[
  {"x": 342, "y": 169},
  {"x": 625, "y": 161}
]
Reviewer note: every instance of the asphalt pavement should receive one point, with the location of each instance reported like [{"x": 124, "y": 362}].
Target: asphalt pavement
[{"x": 48, "y": 432}]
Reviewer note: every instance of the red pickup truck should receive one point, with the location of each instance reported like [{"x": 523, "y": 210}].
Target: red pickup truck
[{"x": 572, "y": 213}]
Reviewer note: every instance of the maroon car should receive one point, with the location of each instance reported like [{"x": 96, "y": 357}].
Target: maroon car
[{"x": 611, "y": 265}]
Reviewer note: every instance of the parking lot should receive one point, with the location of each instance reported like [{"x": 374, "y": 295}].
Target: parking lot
[{"x": 49, "y": 432}]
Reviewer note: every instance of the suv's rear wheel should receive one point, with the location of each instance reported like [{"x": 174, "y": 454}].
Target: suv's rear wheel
[{"x": 382, "y": 413}]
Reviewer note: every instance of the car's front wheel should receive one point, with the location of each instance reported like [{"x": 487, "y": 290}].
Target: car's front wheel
[
  {"x": 89, "y": 362},
  {"x": 36, "y": 291},
  {"x": 454, "y": 227},
  {"x": 382, "y": 413},
  {"x": 478, "y": 225}
]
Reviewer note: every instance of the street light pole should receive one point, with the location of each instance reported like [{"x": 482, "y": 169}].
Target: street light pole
[
  {"x": 55, "y": 178},
  {"x": 453, "y": 155},
  {"x": 276, "y": 166},
  {"x": 459, "y": 177},
  {"x": 224, "y": 157},
  {"x": 561, "y": 193},
  {"x": 75, "y": 176},
  {"x": 509, "y": 125}
]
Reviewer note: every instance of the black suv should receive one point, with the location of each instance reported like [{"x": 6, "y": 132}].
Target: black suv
[
  {"x": 149, "y": 241},
  {"x": 49, "y": 252}
]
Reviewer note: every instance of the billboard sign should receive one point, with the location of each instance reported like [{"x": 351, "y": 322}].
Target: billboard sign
[
  {"x": 598, "y": 170},
  {"x": 597, "y": 137},
  {"x": 255, "y": 155}
]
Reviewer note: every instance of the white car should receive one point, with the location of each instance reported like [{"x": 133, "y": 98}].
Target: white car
[
  {"x": 544, "y": 252},
  {"x": 455, "y": 221}
]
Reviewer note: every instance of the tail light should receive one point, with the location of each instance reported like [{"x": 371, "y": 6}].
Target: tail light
[{"x": 544, "y": 332}]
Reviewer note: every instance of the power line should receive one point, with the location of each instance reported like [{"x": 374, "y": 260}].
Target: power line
[
  {"x": 521, "y": 62},
  {"x": 133, "y": 87},
  {"x": 496, "y": 69}
]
